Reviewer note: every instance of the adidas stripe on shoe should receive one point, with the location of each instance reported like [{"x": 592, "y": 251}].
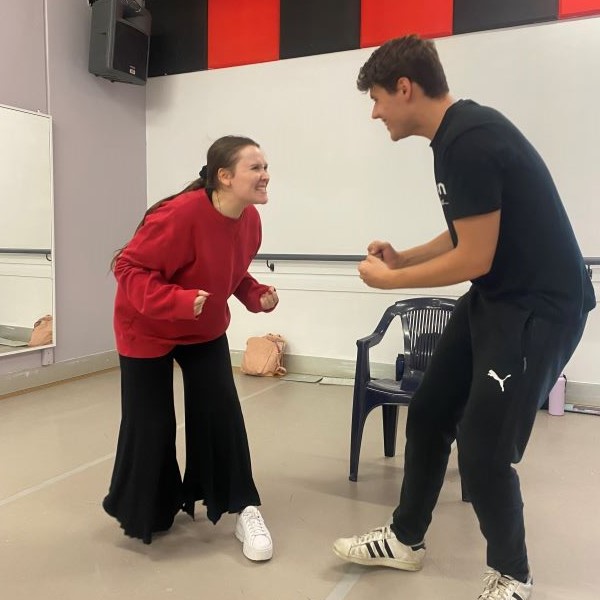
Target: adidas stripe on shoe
[
  {"x": 504, "y": 587},
  {"x": 380, "y": 547}
]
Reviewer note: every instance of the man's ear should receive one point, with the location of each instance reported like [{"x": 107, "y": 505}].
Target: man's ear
[{"x": 404, "y": 86}]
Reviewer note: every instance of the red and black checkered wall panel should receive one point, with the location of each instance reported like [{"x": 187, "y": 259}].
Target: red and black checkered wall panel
[
  {"x": 382, "y": 20},
  {"x": 578, "y": 8},
  {"x": 318, "y": 27},
  {"x": 178, "y": 43},
  {"x": 241, "y": 32},
  {"x": 478, "y": 15},
  {"x": 194, "y": 35}
]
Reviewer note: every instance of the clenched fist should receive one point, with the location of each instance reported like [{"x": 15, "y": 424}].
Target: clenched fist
[
  {"x": 269, "y": 299},
  {"x": 199, "y": 302},
  {"x": 374, "y": 272}
]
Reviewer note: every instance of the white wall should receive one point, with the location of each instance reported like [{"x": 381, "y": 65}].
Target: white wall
[
  {"x": 26, "y": 280},
  {"x": 338, "y": 182},
  {"x": 325, "y": 308},
  {"x": 27, "y": 289},
  {"x": 25, "y": 179}
]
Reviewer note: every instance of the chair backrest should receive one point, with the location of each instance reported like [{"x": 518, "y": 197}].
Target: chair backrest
[{"x": 423, "y": 321}]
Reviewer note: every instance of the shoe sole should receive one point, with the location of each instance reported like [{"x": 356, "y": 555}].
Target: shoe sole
[
  {"x": 251, "y": 553},
  {"x": 392, "y": 563}
]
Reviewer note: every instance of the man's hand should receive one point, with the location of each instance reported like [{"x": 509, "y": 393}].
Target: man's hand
[
  {"x": 386, "y": 252},
  {"x": 269, "y": 299},
  {"x": 375, "y": 273}
]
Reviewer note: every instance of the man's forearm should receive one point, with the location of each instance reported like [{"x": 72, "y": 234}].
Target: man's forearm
[
  {"x": 432, "y": 249},
  {"x": 438, "y": 263},
  {"x": 448, "y": 268}
]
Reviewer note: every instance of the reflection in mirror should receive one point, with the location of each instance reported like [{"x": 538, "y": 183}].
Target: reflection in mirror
[{"x": 26, "y": 239}]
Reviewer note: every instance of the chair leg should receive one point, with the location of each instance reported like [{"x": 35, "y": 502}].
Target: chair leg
[
  {"x": 390, "y": 428},
  {"x": 358, "y": 424}
]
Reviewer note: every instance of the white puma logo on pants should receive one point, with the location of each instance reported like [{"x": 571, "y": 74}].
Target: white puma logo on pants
[{"x": 500, "y": 381}]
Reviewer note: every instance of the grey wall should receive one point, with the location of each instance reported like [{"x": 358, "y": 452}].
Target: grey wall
[
  {"x": 22, "y": 55},
  {"x": 99, "y": 163}
]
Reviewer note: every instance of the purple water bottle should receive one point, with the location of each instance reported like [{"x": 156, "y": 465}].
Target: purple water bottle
[{"x": 556, "y": 400}]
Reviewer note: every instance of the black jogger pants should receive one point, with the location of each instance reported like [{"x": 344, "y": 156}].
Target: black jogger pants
[{"x": 492, "y": 369}]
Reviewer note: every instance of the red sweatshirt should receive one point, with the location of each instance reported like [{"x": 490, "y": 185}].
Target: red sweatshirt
[{"x": 184, "y": 246}]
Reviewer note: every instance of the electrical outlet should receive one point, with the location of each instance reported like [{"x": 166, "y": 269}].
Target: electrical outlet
[{"x": 47, "y": 356}]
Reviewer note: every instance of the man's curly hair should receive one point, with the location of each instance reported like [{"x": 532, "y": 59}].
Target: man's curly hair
[{"x": 409, "y": 56}]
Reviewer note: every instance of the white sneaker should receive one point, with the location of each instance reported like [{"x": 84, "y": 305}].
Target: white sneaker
[
  {"x": 251, "y": 530},
  {"x": 380, "y": 547},
  {"x": 504, "y": 587}
]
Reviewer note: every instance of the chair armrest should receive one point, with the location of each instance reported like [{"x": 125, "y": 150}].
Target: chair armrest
[
  {"x": 370, "y": 340},
  {"x": 363, "y": 371}
]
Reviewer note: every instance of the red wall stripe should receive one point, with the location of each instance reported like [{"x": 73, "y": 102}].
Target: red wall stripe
[
  {"x": 382, "y": 20},
  {"x": 577, "y": 8},
  {"x": 242, "y": 32}
]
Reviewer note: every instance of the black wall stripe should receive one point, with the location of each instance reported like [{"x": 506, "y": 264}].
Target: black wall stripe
[
  {"x": 478, "y": 15},
  {"x": 179, "y": 40},
  {"x": 318, "y": 27}
]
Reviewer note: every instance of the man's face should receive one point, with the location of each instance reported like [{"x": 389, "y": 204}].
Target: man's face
[{"x": 393, "y": 109}]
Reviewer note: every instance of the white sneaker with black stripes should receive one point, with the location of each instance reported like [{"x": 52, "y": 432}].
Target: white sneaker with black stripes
[
  {"x": 504, "y": 587},
  {"x": 380, "y": 547}
]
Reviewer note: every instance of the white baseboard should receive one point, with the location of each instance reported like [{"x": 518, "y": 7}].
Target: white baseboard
[
  {"x": 583, "y": 393},
  {"x": 53, "y": 373},
  {"x": 315, "y": 365},
  {"x": 576, "y": 392}
]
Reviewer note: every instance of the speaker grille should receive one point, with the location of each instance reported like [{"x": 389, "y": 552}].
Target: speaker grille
[{"x": 130, "y": 51}]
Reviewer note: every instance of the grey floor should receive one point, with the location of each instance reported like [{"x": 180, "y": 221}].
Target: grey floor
[{"x": 57, "y": 446}]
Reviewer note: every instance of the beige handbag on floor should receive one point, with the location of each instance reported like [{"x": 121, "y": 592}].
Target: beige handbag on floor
[
  {"x": 42, "y": 332},
  {"x": 264, "y": 356}
]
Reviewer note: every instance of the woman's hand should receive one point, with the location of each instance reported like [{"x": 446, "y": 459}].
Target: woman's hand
[
  {"x": 269, "y": 299},
  {"x": 199, "y": 302}
]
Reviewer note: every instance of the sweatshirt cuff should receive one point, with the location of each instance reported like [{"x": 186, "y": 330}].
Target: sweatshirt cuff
[
  {"x": 184, "y": 304},
  {"x": 253, "y": 304}
]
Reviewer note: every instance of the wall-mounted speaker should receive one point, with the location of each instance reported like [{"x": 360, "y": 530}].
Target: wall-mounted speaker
[{"x": 120, "y": 41}]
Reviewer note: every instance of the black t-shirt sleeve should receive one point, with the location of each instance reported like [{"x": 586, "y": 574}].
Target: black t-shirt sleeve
[{"x": 473, "y": 175}]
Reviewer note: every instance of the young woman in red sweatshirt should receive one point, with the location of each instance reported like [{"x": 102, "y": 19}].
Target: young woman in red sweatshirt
[{"x": 189, "y": 254}]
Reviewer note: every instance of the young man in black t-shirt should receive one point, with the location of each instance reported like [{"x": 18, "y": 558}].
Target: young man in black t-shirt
[{"x": 510, "y": 335}]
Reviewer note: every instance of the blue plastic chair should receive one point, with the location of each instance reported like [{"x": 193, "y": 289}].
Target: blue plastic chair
[{"x": 423, "y": 321}]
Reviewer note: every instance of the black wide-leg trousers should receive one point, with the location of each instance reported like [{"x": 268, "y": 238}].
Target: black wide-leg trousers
[
  {"x": 146, "y": 489},
  {"x": 492, "y": 369}
]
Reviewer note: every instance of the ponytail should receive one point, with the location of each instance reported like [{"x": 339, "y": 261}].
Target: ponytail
[
  {"x": 223, "y": 154},
  {"x": 197, "y": 184}
]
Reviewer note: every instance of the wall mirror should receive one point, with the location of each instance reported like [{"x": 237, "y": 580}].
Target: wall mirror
[{"x": 26, "y": 231}]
